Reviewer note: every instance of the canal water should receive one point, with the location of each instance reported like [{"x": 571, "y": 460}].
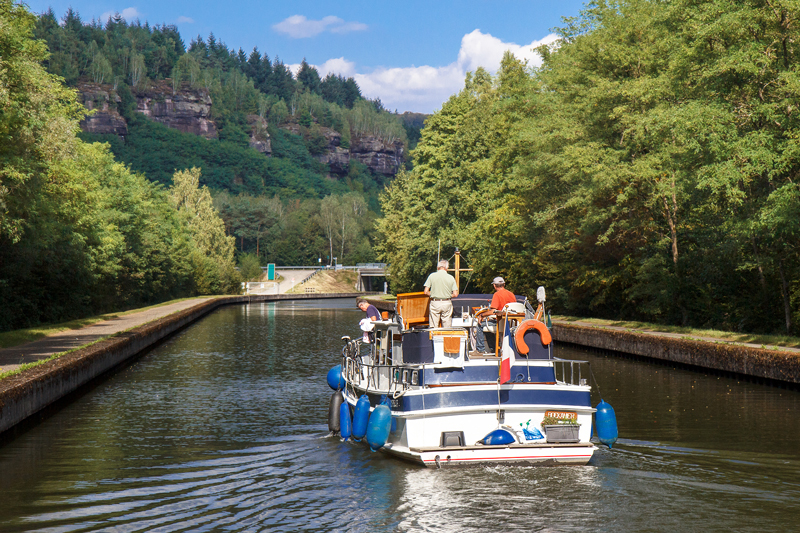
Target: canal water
[{"x": 223, "y": 428}]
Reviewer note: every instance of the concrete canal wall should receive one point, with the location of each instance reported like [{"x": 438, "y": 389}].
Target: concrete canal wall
[
  {"x": 30, "y": 391},
  {"x": 27, "y": 393},
  {"x": 748, "y": 360}
]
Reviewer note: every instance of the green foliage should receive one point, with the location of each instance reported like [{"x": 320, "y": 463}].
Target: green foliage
[
  {"x": 212, "y": 256},
  {"x": 250, "y": 267},
  {"x": 269, "y": 205},
  {"x": 315, "y": 140},
  {"x": 151, "y": 148},
  {"x": 366, "y": 120},
  {"x": 647, "y": 170},
  {"x": 346, "y": 223},
  {"x": 558, "y": 421},
  {"x": 79, "y": 232}
]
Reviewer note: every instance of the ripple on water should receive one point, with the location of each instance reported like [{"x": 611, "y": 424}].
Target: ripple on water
[{"x": 223, "y": 428}]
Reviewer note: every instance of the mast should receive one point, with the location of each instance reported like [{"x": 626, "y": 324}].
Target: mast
[{"x": 458, "y": 270}]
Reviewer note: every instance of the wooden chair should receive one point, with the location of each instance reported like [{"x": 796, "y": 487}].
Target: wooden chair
[{"x": 413, "y": 307}]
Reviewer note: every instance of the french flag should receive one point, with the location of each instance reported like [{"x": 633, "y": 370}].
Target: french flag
[{"x": 507, "y": 360}]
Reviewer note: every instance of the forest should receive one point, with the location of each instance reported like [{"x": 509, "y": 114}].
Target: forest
[
  {"x": 128, "y": 57},
  {"x": 79, "y": 231},
  {"x": 647, "y": 170},
  {"x": 89, "y": 227}
]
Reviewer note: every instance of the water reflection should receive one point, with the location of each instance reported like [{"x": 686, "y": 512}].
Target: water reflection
[{"x": 223, "y": 428}]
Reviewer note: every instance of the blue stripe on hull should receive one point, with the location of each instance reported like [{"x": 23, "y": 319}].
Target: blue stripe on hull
[
  {"x": 484, "y": 374},
  {"x": 443, "y": 398}
]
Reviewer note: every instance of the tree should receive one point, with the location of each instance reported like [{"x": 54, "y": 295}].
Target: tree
[
  {"x": 309, "y": 77},
  {"x": 214, "y": 258},
  {"x": 101, "y": 68},
  {"x": 136, "y": 69},
  {"x": 329, "y": 217},
  {"x": 37, "y": 125},
  {"x": 250, "y": 267}
]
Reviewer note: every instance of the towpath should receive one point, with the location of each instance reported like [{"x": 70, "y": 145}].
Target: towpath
[
  {"x": 685, "y": 336},
  {"x": 12, "y": 358}
]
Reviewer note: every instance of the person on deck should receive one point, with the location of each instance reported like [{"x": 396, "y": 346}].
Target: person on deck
[
  {"x": 502, "y": 296},
  {"x": 441, "y": 287},
  {"x": 366, "y": 323},
  {"x": 372, "y": 311}
]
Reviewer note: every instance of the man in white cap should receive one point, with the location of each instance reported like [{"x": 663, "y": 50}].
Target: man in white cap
[
  {"x": 441, "y": 287},
  {"x": 502, "y": 296}
]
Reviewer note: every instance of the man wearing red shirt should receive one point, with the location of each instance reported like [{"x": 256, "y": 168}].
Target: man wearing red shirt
[{"x": 502, "y": 296}]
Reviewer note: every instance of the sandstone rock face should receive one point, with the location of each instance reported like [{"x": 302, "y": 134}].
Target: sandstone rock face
[
  {"x": 105, "y": 119},
  {"x": 381, "y": 156},
  {"x": 259, "y": 137},
  {"x": 187, "y": 110},
  {"x": 336, "y": 157}
]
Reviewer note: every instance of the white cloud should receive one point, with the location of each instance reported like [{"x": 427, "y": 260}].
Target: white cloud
[
  {"x": 483, "y": 50},
  {"x": 337, "y": 65},
  {"x": 129, "y": 14},
  {"x": 184, "y": 20},
  {"x": 424, "y": 89},
  {"x": 299, "y": 27},
  {"x": 347, "y": 27}
]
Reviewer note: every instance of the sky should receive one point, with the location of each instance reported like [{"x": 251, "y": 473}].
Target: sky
[{"x": 413, "y": 55}]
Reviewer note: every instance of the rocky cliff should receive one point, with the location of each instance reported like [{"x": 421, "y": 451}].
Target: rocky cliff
[
  {"x": 375, "y": 153},
  {"x": 189, "y": 110},
  {"x": 186, "y": 110},
  {"x": 259, "y": 137},
  {"x": 381, "y": 156},
  {"x": 103, "y": 100}
]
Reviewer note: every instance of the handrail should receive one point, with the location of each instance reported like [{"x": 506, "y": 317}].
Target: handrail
[{"x": 572, "y": 379}]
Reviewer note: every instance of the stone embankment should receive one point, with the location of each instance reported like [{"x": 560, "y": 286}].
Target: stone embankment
[
  {"x": 30, "y": 391},
  {"x": 25, "y": 394},
  {"x": 770, "y": 363}
]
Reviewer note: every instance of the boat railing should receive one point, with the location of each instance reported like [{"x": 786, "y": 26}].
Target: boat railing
[
  {"x": 571, "y": 372},
  {"x": 381, "y": 376}
]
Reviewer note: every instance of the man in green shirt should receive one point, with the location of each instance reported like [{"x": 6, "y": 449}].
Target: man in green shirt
[{"x": 441, "y": 287}]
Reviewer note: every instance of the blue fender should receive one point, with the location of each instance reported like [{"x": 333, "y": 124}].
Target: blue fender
[
  {"x": 380, "y": 423},
  {"x": 388, "y": 403},
  {"x": 606, "y": 421},
  {"x": 361, "y": 418},
  {"x": 335, "y": 378},
  {"x": 345, "y": 422},
  {"x": 499, "y": 436}
]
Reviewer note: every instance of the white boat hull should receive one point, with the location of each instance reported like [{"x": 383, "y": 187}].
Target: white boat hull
[{"x": 538, "y": 454}]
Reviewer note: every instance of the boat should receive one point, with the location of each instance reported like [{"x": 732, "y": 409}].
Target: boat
[{"x": 422, "y": 394}]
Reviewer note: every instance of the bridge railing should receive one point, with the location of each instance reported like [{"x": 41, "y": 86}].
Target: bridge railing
[{"x": 311, "y": 267}]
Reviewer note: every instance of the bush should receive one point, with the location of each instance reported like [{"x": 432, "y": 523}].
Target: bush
[{"x": 249, "y": 267}]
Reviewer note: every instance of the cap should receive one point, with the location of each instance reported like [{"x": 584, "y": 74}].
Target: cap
[{"x": 498, "y": 281}]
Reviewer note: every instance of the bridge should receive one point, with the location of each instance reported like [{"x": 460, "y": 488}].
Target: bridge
[
  {"x": 366, "y": 274},
  {"x": 295, "y": 275}
]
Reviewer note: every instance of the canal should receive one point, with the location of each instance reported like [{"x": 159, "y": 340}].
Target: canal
[{"x": 223, "y": 428}]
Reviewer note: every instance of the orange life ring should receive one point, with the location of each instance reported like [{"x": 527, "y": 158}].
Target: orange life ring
[{"x": 519, "y": 336}]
